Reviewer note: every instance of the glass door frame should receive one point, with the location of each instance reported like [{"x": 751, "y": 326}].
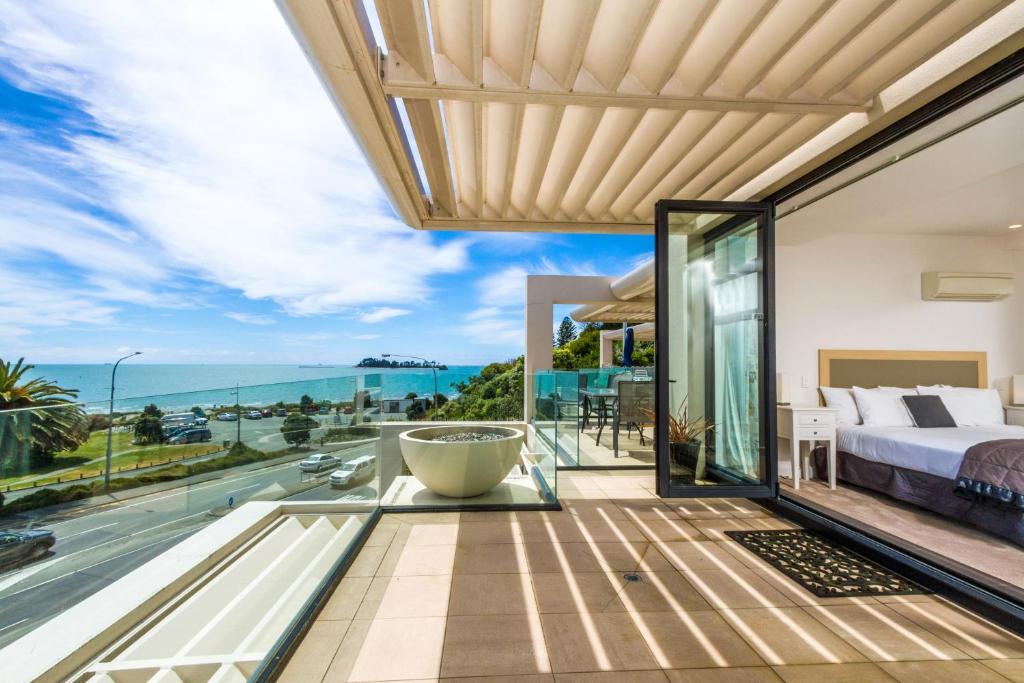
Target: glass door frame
[{"x": 764, "y": 214}]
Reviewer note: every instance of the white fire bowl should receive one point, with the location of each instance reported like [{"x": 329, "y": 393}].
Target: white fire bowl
[{"x": 460, "y": 469}]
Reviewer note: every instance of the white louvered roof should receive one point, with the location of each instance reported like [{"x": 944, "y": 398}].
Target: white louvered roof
[{"x": 581, "y": 114}]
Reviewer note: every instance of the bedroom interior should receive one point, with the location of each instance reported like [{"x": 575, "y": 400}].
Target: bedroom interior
[{"x": 873, "y": 241}]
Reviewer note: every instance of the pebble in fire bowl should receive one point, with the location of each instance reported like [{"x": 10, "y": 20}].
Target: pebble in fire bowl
[{"x": 461, "y": 462}]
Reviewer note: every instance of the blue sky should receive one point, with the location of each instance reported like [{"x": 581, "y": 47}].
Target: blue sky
[{"x": 174, "y": 179}]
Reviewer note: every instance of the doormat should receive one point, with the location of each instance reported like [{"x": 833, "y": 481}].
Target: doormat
[{"x": 822, "y": 567}]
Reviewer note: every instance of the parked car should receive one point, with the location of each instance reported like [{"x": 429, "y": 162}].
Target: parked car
[
  {"x": 21, "y": 546},
  {"x": 202, "y": 421},
  {"x": 282, "y": 412},
  {"x": 318, "y": 462},
  {"x": 191, "y": 436},
  {"x": 227, "y": 417},
  {"x": 358, "y": 469},
  {"x": 267, "y": 412},
  {"x": 254, "y": 415}
]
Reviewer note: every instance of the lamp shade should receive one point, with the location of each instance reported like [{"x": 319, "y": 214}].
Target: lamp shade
[{"x": 1017, "y": 390}]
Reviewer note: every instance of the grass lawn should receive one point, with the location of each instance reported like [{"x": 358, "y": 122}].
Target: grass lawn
[{"x": 88, "y": 459}]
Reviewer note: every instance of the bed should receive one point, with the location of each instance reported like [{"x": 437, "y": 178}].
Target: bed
[{"x": 911, "y": 464}]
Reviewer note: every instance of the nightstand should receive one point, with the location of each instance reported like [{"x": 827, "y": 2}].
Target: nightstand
[
  {"x": 811, "y": 424},
  {"x": 1014, "y": 415}
]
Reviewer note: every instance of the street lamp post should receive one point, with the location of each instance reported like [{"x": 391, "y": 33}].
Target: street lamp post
[
  {"x": 238, "y": 416},
  {"x": 433, "y": 367},
  {"x": 110, "y": 419}
]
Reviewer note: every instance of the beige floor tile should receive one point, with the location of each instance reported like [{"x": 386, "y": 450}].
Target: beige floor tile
[
  {"x": 559, "y": 593},
  {"x": 739, "y": 588},
  {"x": 520, "y": 678},
  {"x": 422, "y": 517},
  {"x": 494, "y": 646},
  {"x": 905, "y": 599},
  {"x": 488, "y": 516},
  {"x": 415, "y": 596},
  {"x": 595, "y": 642},
  {"x": 487, "y": 594},
  {"x": 833, "y": 673},
  {"x": 539, "y": 515},
  {"x": 610, "y": 531},
  {"x": 613, "y": 677},
  {"x": 372, "y": 598},
  {"x": 489, "y": 532},
  {"x": 646, "y": 509},
  {"x": 491, "y": 558},
  {"x": 345, "y": 600},
  {"x": 1012, "y": 669},
  {"x": 316, "y": 652},
  {"x": 400, "y": 649},
  {"x": 433, "y": 534},
  {"x": 941, "y": 672},
  {"x": 424, "y": 560},
  {"x": 972, "y": 634},
  {"x": 661, "y": 592},
  {"x": 564, "y": 529},
  {"x": 882, "y": 635},
  {"x": 769, "y": 523},
  {"x": 670, "y": 530},
  {"x": 788, "y": 635},
  {"x": 740, "y": 674},
  {"x": 367, "y": 562},
  {"x": 715, "y": 528},
  {"x": 345, "y": 657},
  {"x": 695, "y": 556},
  {"x": 691, "y": 640},
  {"x": 594, "y": 509},
  {"x": 382, "y": 534},
  {"x": 630, "y": 493}
]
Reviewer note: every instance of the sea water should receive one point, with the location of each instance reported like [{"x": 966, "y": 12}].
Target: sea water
[{"x": 183, "y": 386}]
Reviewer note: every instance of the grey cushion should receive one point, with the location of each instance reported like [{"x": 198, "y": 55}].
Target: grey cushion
[{"x": 928, "y": 411}]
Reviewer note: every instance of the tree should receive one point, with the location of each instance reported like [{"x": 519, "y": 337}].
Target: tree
[
  {"x": 495, "y": 394},
  {"x": 305, "y": 403},
  {"x": 566, "y": 332},
  {"x": 198, "y": 411},
  {"x": 411, "y": 394},
  {"x": 58, "y": 425},
  {"x": 148, "y": 429},
  {"x": 152, "y": 411},
  {"x": 296, "y": 428}
]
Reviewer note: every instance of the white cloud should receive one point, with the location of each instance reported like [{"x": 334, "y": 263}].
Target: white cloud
[
  {"x": 366, "y": 337},
  {"x": 491, "y": 325},
  {"x": 221, "y": 152},
  {"x": 381, "y": 314},
  {"x": 45, "y": 303},
  {"x": 249, "y": 318}
]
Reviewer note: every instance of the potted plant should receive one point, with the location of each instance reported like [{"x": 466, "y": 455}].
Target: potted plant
[{"x": 684, "y": 438}]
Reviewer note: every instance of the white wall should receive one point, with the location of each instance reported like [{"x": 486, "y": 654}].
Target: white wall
[{"x": 863, "y": 291}]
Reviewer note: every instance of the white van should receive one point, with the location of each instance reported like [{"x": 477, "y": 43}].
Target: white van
[{"x": 357, "y": 469}]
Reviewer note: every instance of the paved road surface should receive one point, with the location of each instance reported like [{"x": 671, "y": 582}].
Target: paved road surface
[{"x": 96, "y": 548}]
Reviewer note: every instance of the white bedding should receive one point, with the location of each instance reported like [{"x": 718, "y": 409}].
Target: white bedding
[{"x": 935, "y": 451}]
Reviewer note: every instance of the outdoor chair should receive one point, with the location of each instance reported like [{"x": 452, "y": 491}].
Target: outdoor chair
[{"x": 635, "y": 407}]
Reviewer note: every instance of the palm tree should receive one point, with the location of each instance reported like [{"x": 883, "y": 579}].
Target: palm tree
[{"x": 43, "y": 420}]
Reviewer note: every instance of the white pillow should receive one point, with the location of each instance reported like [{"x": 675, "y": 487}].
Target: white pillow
[
  {"x": 842, "y": 400},
  {"x": 883, "y": 407},
  {"x": 970, "y": 407}
]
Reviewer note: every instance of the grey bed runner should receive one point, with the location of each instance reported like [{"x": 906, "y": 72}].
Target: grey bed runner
[{"x": 992, "y": 472}]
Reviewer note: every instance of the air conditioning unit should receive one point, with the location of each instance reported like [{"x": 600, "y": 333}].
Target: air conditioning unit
[{"x": 966, "y": 286}]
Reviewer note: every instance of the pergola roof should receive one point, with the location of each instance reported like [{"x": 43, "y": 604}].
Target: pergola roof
[{"x": 581, "y": 114}]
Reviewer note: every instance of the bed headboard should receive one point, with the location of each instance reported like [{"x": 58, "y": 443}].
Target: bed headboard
[{"x": 845, "y": 368}]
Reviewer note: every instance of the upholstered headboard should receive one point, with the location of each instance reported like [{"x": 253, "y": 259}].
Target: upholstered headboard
[{"x": 845, "y": 368}]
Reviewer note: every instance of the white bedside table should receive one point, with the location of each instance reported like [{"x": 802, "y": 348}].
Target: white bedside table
[
  {"x": 808, "y": 423},
  {"x": 1014, "y": 415}
]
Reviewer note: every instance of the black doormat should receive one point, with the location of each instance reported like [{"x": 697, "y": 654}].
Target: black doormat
[{"x": 822, "y": 567}]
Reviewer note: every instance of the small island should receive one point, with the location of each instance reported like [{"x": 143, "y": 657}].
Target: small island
[{"x": 385, "y": 363}]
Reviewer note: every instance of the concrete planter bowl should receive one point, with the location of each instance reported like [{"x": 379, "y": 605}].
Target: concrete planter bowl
[{"x": 460, "y": 469}]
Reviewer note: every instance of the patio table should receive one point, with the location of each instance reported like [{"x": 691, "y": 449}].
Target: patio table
[{"x": 603, "y": 395}]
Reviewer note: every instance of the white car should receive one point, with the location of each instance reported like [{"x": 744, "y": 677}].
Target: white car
[
  {"x": 352, "y": 471},
  {"x": 227, "y": 417},
  {"x": 318, "y": 462}
]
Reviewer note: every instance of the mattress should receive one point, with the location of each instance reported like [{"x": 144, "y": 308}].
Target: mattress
[{"x": 933, "y": 451}]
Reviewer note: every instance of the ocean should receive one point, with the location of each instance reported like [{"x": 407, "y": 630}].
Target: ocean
[{"x": 183, "y": 386}]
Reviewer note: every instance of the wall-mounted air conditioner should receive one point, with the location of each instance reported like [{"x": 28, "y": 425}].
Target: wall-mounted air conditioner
[{"x": 966, "y": 286}]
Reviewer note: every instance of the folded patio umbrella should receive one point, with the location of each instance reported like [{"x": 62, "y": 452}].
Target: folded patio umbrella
[{"x": 627, "y": 348}]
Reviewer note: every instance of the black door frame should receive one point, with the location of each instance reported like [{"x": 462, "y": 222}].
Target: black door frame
[{"x": 764, "y": 214}]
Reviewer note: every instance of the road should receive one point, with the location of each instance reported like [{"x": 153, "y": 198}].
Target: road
[{"x": 96, "y": 548}]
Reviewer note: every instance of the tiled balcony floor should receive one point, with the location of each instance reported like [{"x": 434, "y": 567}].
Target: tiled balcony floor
[{"x": 541, "y": 596}]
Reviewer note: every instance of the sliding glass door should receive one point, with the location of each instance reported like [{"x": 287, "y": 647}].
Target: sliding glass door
[{"x": 714, "y": 344}]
